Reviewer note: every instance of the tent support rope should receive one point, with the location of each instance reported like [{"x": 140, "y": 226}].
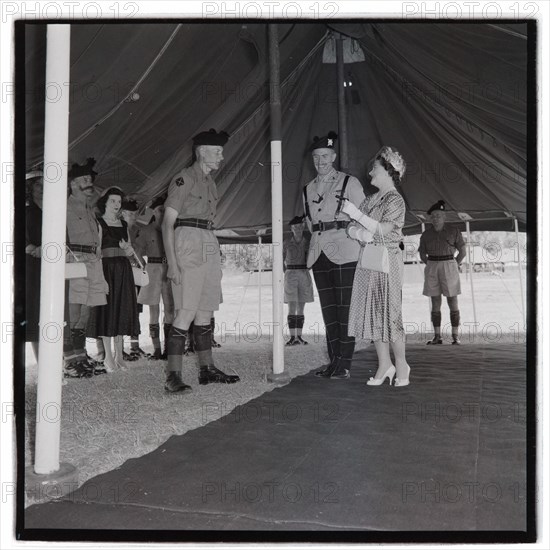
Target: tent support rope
[
  {"x": 87, "y": 132},
  {"x": 284, "y": 83}
]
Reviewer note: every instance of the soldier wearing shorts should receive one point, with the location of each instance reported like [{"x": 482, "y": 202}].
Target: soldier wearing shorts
[
  {"x": 149, "y": 243},
  {"x": 84, "y": 245},
  {"x": 437, "y": 248},
  {"x": 298, "y": 283},
  {"x": 194, "y": 265}
]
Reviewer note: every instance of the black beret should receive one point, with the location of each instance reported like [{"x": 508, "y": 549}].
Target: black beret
[
  {"x": 211, "y": 138},
  {"x": 158, "y": 201},
  {"x": 325, "y": 142},
  {"x": 130, "y": 204},
  {"x": 439, "y": 205},
  {"x": 296, "y": 220},
  {"x": 78, "y": 170}
]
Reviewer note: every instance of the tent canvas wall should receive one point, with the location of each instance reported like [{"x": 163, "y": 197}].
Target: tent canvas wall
[{"x": 452, "y": 97}]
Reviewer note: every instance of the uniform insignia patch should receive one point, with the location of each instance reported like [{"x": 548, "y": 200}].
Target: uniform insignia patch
[{"x": 180, "y": 181}]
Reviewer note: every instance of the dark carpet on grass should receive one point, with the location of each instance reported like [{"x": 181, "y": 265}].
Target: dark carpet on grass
[{"x": 445, "y": 453}]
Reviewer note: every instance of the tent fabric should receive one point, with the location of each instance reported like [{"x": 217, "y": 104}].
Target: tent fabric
[{"x": 451, "y": 97}]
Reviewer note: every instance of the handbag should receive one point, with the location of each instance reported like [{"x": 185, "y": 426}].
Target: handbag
[
  {"x": 76, "y": 269},
  {"x": 375, "y": 256},
  {"x": 141, "y": 277}
]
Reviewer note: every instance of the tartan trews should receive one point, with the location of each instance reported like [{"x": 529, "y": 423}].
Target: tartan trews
[{"x": 334, "y": 284}]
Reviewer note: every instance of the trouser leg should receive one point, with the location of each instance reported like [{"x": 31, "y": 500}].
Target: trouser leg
[
  {"x": 329, "y": 308},
  {"x": 343, "y": 280}
]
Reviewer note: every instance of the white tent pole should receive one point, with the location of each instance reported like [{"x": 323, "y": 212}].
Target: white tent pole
[
  {"x": 260, "y": 268},
  {"x": 470, "y": 269},
  {"x": 276, "y": 201},
  {"x": 52, "y": 288},
  {"x": 423, "y": 228},
  {"x": 519, "y": 268}
]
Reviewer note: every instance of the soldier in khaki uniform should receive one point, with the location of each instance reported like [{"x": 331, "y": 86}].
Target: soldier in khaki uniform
[
  {"x": 84, "y": 244},
  {"x": 298, "y": 284},
  {"x": 149, "y": 243},
  {"x": 437, "y": 247},
  {"x": 193, "y": 256},
  {"x": 332, "y": 255}
]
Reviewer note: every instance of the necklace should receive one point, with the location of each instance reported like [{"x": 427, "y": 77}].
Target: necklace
[{"x": 110, "y": 220}]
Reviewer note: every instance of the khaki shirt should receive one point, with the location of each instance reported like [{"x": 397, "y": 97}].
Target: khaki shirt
[
  {"x": 193, "y": 194},
  {"x": 321, "y": 196},
  {"x": 82, "y": 225},
  {"x": 441, "y": 243},
  {"x": 294, "y": 252},
  {"x": 149, "y": 242}
]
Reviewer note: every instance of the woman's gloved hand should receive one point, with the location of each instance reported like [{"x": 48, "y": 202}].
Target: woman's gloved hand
[
  {"x": 359, "y": 233},
  {"x": 351, "y": 210},
  {"x": 355, "y": 214}
]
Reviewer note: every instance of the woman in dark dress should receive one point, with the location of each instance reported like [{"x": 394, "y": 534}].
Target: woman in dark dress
[
  {"x": 33, "y": 247},
  {"x": 119, "y": 316}
]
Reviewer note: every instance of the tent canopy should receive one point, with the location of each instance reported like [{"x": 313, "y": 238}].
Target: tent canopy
[{"x": 450, "y": 96}]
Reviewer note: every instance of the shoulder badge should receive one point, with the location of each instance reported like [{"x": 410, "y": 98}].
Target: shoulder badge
[{"x": 180, "y": 181}]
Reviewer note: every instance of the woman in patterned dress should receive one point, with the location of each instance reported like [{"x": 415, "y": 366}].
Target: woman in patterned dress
[{"x": 375, "y": 311}]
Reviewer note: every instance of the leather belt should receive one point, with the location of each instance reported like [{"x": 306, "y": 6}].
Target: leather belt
[
  {"x": 297, "y": 266},
  {"x": 194, "y": 222},
  {"x": 326, "y": 226},
  {"x": 440, "y": 258},
  {"x": 112, "y": 252},
  {"x": 88, "y": 249},
  {"x": 157, "y": 260}
]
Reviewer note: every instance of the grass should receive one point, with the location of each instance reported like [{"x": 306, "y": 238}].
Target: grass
[{"x": 109, "y": 419}]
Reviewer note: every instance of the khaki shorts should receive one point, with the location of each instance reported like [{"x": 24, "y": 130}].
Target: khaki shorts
[
  {"x": 441, "y": 278},
  {"x": 93, "y": 289},
  {"x": 198, "y": 257},
  {"x": 298, "y": 286},
  {"x": 158, "y": 286}
]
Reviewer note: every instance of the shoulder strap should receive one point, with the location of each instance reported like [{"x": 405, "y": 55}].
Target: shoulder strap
[
  {"x": 306, "y": 203},
  {"x": 339, "y": 207}
]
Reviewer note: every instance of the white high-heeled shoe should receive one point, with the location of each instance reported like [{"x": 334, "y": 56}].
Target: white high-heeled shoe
[
  {"x": 109, "y": 365},
  {"x": 403, "y": 381},
  {"x": 390, "y": 373}
]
